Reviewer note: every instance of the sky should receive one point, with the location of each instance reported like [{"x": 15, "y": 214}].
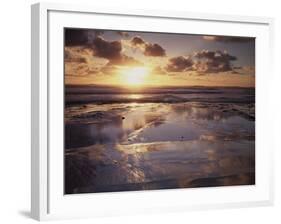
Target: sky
[{"x": 130, "y": 59}]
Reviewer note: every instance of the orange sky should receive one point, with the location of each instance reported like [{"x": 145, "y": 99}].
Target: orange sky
[{"x": 144, "y": 59}]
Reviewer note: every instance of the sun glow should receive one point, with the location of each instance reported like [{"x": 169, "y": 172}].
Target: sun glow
[{"x": 134, "y": 76}]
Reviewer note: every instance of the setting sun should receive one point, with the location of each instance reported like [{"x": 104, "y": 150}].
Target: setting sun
[{"x": 134, "y": 75}]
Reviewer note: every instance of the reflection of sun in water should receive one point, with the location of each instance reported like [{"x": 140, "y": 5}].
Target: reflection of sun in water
[{"x": 134, "y": 76}]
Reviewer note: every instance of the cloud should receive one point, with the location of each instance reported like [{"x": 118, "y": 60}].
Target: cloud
[
  {"x": 80, "y": 37},
  {"x": 92, "y": 40},
  {"x": 106, "y": 49},
  {"x": 227, "y": 39},
  {"x": 76, "y": 69},
  {"x": 79, "y": 61},
  {"x": 97, "y": 33},
  {"x": 123, "y": 34},
  {"x": 136, "y": 41},
  {"x": 245, "y": 70},
  {"x": 80, "y": 69},
  {"x": 213, "y": 61},
  {"x": 87, "y": 52},
  {"x": 158, "y": 70},
  {"x": 148, "y": 49},
  {"x": 75, "y": 37},
  {"x": 111, "y": 50},
  {"x": 96, "y": 57},
  {"x": 109, "y": 69},
  {"x": 154, "y": 50},
  {"x": 179, "y": 64},
  {"x": 202, "y": 62},
  {"x": 215, "y": 55},
  {"x": 70, "y": 56}
]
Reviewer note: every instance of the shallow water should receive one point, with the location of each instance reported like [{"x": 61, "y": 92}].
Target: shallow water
[{"x": 137, "y": 146}]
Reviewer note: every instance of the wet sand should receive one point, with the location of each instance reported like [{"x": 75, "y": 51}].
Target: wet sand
[{"x": 145, "y": 146}]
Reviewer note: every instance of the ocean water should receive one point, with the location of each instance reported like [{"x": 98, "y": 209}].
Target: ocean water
[{"x": 158, "y": 138}]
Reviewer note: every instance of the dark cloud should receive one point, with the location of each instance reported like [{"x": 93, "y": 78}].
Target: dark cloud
[
  {"x": 154, "y": 50},
  {"x": 75, "y": 37},
  {"x": 179, "y": 64},
  {"x": 215, "y": 55},
  {"x": 111, "y": 50},
  {"x": 106, "y": 49},
  {"x": 137, "y": 41},
  {"x": 80, "y": 37},
  {"x": 202, "y": 62},
  {"x": 149, "y": 49},
  {"x": 91, "y": 40},
  {"x": 123, "y": 34},
  {"x": 213, "y": 61},
  {"x": 93, "y": 34},
  {"x": 97, "y": 33},
  {"x": 244, "y": 70},
  {"x": 205, "y": 54},
  {"x": 228, "y": 39}
]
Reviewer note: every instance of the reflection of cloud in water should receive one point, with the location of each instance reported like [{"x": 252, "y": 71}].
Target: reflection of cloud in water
[
  {"x": 117, "y": 147},
  {"x": 218, "y": 111},
  {"x": 174, "y": 164}
]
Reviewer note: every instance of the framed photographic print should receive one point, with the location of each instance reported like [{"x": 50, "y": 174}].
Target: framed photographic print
[{"x": 147, "y": 111}]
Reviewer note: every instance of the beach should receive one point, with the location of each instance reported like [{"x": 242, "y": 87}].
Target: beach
[{"x": 158, "y": 138}]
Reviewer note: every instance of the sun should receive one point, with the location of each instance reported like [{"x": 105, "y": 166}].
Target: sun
[{"x": 134, "y": 76}]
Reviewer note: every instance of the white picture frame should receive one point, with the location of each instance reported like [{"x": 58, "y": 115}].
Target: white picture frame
[{"x": 47, "y": 199}]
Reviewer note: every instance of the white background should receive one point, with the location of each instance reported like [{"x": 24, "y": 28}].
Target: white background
[{"x": 15, "y": 111}]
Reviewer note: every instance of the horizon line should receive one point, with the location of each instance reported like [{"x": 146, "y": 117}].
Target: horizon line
[{"x": 153, "y": 86}]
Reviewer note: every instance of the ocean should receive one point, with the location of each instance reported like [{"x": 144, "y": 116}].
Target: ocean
[{"x": 119, "y": 139}]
